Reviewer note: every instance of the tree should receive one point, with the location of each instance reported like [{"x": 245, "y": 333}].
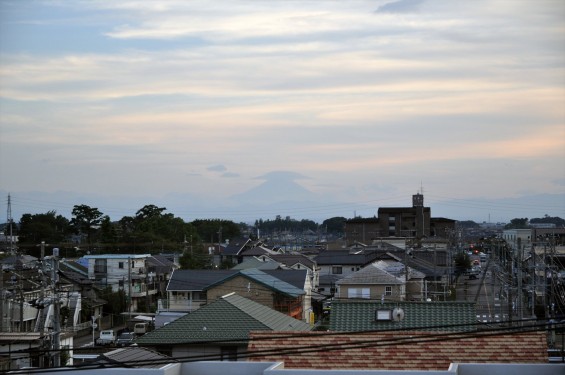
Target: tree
[
  {"x": 559, "y": 222},
  {"x": 197, "y": 259},
  {"x": 335, "y": 225},
  {"x": 149, "y": 211},
  {"x": 517, "y": 224},
  {"x": 86, "y": 219},
  {"x": 209, "y": 230},
  {"x": 48, "y": 227},
  {"x": 462, "y": 263}
]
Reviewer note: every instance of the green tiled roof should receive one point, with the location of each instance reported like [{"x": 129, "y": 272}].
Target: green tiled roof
[
  {"x": 359, "y": 315},
  {"x": 230, "y": 318}
]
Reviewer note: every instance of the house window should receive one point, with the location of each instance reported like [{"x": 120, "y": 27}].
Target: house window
[
  {"x": 100, "y": 266},
  {"x": 337, "y": 270},
  {"x": 358, "y": 293},
  {"x": 121, "y": 265},
  {"x": 388, "y": 290},
  {"x": 228, "y": 353}
]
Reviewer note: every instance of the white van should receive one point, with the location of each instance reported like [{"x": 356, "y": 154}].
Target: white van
[
  {"x": 140, "y": 328},
  {"x": 107, "y": 337}
]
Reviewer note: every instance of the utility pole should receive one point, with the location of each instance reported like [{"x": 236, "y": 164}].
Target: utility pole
[
  {"x": 129, "y": 286},
  {"x": 2, "y": 299},
  {"x": 10, "y": 220},
  {"x": 56, "y": 309}
]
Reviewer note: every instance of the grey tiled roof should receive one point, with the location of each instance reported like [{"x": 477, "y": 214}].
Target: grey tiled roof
[
  {"x": 293, "y": 277},
  {"x": 292, "y": 259},
  {"x": 348, "y": 315},
  {"x": 133, "y": 356},
  {"x": 253, "y": 262},
  {"x": 230, "y": 318},
  {"x": 269, "y": 281},
  {"x": 371, "y": 275},
  {"x": 339, "y": 257},
  {"x": 197, "y": 279},
  {"x": 288, "y": 282}
]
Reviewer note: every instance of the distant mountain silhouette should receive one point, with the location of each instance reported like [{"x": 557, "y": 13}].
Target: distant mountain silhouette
[{"x": 278, "y": 187}]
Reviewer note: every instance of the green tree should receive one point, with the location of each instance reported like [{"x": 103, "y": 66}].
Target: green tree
[
  {"x": 518, "y": 224},
  {"x": 197, "y": 259},
  {"x": 117, "y": 301},
  {"x": 335, "y": 225},
  {"x": 212, "y": 229},
  {"x": 86, "y": 219},
  {"x": 48, "y": 227},
  {"x": 557, "y": 221}
]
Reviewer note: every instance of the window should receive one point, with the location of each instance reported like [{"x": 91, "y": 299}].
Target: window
[
  {"x": 388, "y": 290},
  {"x": 358, "y": 293},
  {"x": 336, "y": 270},
  {"x": 121, "y": 265}
]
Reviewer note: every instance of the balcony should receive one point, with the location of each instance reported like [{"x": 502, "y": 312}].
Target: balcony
[
  {"x": 142, "y": 290},
  {"x": 181, "y": 304}
]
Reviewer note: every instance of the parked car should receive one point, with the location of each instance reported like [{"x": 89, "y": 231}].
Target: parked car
[
  {"x": 125, "y": 339},
  {"x": 473, "y": 273},
  {"x": 107, "y": 337}
]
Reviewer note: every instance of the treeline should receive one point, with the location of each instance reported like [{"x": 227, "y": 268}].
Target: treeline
[
  {"x": 153, "y": 230},
  {"x": 150, "y": 230}
]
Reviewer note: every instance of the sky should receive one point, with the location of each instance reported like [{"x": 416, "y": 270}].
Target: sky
[{"x": 309, "y": 109}]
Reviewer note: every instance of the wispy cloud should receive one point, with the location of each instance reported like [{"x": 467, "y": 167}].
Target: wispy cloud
[{"x": 350, "y": 94}]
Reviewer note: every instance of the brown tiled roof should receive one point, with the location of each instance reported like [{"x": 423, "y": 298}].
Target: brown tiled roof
[{"x": 396, "y": 350}]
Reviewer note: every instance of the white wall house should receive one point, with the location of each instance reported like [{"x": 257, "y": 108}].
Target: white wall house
[{"x": 126, "y": 272}]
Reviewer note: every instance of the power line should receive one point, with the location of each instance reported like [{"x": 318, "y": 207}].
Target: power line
[{"x": 411, "y": 340}]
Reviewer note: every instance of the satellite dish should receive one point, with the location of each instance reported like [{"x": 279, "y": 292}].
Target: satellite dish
[{"x": 397, "y": 314}]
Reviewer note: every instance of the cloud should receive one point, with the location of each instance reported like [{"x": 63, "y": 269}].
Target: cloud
[
  {"x": 400, "y": 6},
  {"x": 217, "y": 168},
  {"x": 230, "y": 175}
]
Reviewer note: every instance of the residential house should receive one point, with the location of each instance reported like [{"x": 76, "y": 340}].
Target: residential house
[
  {"x": 293, "y": 261},
  {"x": 287, "y": 291},
  {"x": 230, "y": 251},
  {"x": 336, "y": 264},
  {"x": 218, "y": 330},
  {"x": 414, "y": 281},
  {"x": 84, "y": 301},
  {"x": 127, "y": 272},
  {"x": 297, "y": 261},
  {"x": 160, "y": 268},
  {"x": 372, "y": 282}
]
